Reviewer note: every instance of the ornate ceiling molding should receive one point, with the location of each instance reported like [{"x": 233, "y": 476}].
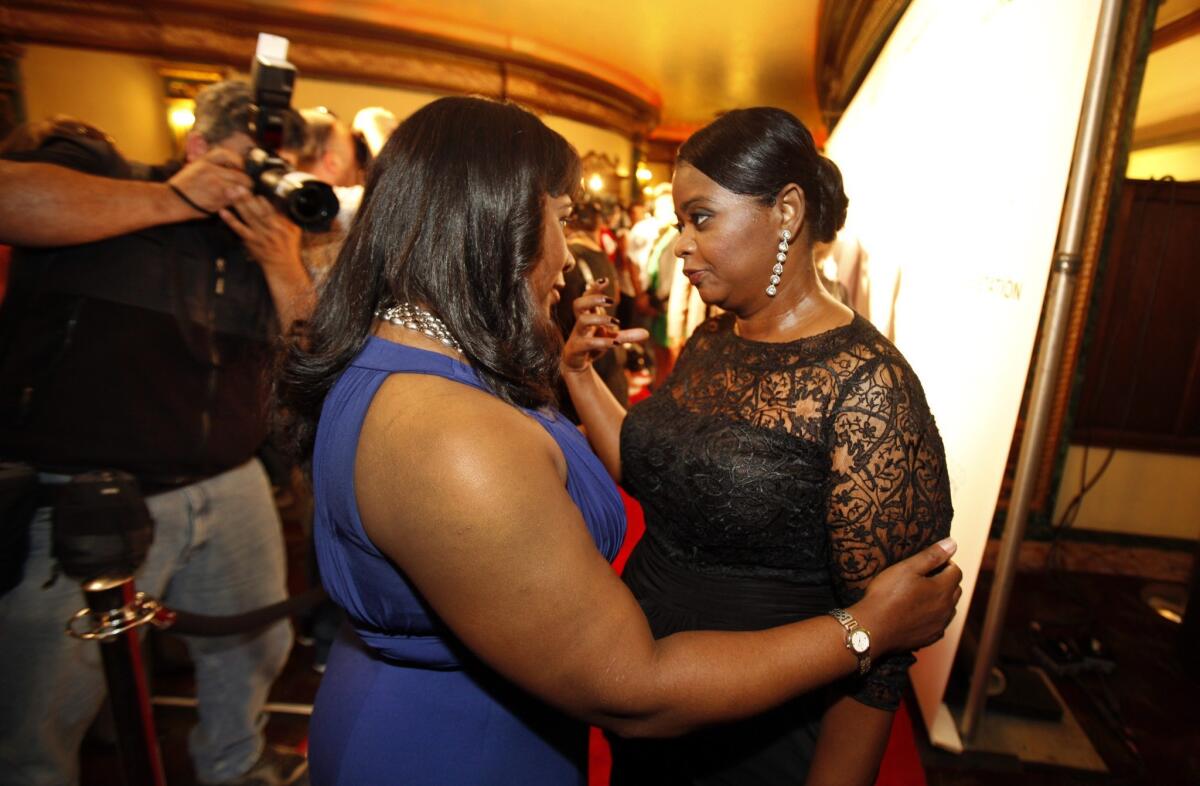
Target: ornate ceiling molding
[
  {"x": 1169, "y": 132},
  {"x": 403, "y": 52},
  {"x": 663, "y": 142},
  {"x": 1173, "y": 32},
  {"x": 850, "y": 35}
]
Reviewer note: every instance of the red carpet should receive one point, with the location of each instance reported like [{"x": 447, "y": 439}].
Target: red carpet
[{"x": 901, "y": 763}]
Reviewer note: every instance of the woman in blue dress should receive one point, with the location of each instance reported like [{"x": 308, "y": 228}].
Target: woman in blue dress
[{"x": 465, "y": 526}]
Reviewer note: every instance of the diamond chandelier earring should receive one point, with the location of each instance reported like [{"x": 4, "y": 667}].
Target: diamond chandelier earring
[{"x": 780, "y": 258}]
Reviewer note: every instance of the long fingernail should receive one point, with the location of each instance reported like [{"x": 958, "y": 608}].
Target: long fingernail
[{"x": 948, "y": 545}]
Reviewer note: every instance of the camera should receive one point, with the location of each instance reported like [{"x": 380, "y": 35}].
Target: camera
[{"x": 306, "y": 201}]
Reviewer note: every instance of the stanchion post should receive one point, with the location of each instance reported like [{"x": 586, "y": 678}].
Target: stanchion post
[
  {"x": 1054, "y": 326},
  {"x": 114, "y": 600}
]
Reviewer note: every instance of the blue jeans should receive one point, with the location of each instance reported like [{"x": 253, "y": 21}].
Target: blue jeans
[{"x": 218, "y": 549}]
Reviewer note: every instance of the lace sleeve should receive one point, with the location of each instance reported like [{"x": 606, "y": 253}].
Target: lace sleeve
[{"x": 890, "y": 495}]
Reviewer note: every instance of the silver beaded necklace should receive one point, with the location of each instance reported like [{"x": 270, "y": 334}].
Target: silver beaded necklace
[{"x": 414, "y": 317}]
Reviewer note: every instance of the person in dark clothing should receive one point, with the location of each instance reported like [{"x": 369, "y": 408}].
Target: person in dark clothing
[
  {"x": 592, "y": 266},
  {"x": 789, "y": 458},
  {"x": 138, "y": 335}
]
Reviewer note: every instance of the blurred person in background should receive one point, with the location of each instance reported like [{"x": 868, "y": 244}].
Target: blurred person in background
[
  {"x": 138, "y": 335},
  {"x": 27, "y": 137},
  {"x": 375, "y": 124},
  {"x": 328, "y": 153}
]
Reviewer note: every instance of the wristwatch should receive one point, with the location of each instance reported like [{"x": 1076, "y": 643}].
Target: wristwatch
[{"x": 858, "y": 638}]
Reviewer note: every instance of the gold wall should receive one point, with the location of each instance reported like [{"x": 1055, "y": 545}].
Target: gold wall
[
  {"x": 123, "y": 95},
  {"x": 120, "y": 94},
  {"x": 1181, "y": 161},
  {"x": 1140, "y": 493},
  {"x": 588, "y": 138}
]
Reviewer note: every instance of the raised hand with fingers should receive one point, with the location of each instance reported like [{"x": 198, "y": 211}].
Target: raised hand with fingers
[
  {"x": 915, "y": 599},
  {"x": 271, "y": 240},
  {"x": 274, "y": 243},
  {"x": 595, "y": 331}
]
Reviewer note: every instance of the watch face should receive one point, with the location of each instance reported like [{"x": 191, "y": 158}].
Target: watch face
[{"x": 860, "y": 641}]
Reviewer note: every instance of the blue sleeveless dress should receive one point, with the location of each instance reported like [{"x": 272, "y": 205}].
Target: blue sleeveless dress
[{"x": 403, "y": 702}]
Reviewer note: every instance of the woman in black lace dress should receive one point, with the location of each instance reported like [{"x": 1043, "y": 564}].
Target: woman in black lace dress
[{"x": 790, "y": 457}]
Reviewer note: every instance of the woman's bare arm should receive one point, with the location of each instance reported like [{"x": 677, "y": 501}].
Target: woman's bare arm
[
  {"x": 471, "y": 505},
  {"x": 599, "y": 411},
  {"x": 850, "y": 745}
]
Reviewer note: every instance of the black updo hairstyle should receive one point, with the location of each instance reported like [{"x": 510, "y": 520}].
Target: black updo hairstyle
[
  {"x": 451, "y": 219},
  {"x": 757, "y": 151}
]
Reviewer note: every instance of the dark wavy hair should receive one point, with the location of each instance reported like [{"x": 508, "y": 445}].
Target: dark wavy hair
[
  {"x": 451, "y": 219},
  {"x": 757, "y": 151}
]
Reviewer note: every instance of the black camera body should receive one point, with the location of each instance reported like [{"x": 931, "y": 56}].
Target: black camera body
[{"x": 306, "y": 201}]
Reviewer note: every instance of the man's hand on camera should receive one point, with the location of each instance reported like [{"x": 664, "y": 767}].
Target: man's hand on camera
[
  {"x": 274, "y": 243},
  {"x": 271, "y": 240},
  {"x": 212, "y": 181}
]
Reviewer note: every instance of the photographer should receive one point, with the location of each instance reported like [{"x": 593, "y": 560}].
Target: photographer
[
  {"x": 138, "y": 335},
  {"x": 328, "y": 154}
]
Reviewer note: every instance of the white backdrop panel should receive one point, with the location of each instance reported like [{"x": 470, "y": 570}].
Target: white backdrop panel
[{"x": 955, "y": 153}]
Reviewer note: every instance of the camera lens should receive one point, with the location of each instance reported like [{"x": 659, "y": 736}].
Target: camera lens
[
  {"x": 306, "y": 201},
  {"x": 312, "y": 204}
]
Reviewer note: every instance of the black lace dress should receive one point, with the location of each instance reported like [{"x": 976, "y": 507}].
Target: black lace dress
[{"x": 777, "y": 480}]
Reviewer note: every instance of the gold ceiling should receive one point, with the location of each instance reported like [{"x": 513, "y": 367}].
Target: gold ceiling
[
  {"x": 666, "y": 63},
  {"x": 700, "y": 57}
]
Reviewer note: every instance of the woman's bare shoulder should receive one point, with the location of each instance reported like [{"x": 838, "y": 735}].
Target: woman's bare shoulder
[{"x": 432, "y": 438}]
